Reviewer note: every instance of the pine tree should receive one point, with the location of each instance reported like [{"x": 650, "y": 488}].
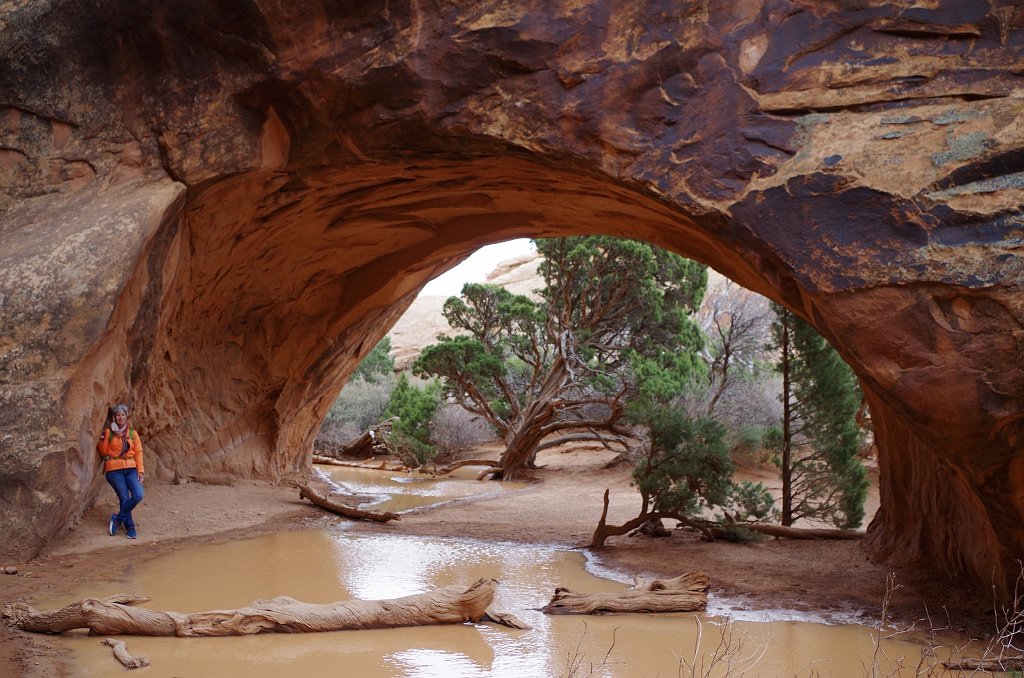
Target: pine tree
[{"x": 821, "y": 476}]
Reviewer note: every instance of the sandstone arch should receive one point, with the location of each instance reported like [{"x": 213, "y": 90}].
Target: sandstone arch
[{"x": 216, "y": 208}]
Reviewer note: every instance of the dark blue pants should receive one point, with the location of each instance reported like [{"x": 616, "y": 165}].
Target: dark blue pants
[{"x": 129, "y": 493}]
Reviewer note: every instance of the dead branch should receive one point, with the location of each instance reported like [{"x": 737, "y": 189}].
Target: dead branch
[
  {"x": 449, "y": 605},
  {"x": 791, "y": 532},
  {"x": 331, "y": 461},
  {"x": 121, "y": 654},
  {"x": 306, "y": 492},
  {"x": 685, "y": 593},
  {"x": 505, "y": 619},
  {"x": 987, "y": 665}
]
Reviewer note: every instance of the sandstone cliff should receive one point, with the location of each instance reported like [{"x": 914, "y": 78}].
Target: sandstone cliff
[{"x": 214, "y": 209}]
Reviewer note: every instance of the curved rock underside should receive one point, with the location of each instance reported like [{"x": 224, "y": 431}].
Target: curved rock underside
[{"x": 214, "y": 209}]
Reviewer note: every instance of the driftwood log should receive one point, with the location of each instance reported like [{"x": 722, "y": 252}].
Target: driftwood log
[
  {"x": 113, "y": 616},
  {"x": 685, "y": 593},
  {"x": 307, "y": 492},
  {"x": 505, "y": 619},
  {"x": 1003, "y": 665},
  {"x": 369, "y": 464},
  {"x": 121, "y": 655}
]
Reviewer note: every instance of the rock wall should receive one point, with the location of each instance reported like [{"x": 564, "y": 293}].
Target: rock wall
[{"x": 214, "y": 209}]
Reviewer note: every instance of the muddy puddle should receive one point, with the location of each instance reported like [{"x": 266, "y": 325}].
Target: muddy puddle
[
  {"x": 408, "y": 491},
  {"x": 324, "y": 565}
]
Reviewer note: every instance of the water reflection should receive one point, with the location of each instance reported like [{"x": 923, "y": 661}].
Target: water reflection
[
  {"x": 330, "y": 564},
  {"x": 399, "y": 492},
  {"x": 322, "y": 566}
]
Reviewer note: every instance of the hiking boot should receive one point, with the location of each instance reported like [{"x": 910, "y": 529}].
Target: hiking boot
[
  {"x": 131, "y": 533},
  {"x": 114, "y": 525}
]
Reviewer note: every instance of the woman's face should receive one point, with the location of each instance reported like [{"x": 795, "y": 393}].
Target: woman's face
[{"x": 120, "y": 418}]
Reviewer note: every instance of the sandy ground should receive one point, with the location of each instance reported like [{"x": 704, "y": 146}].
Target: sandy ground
[{"x": 560, "y": 505}]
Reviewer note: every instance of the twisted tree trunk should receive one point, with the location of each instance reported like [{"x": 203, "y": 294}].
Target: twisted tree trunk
[{"x": 114, "y": 616}]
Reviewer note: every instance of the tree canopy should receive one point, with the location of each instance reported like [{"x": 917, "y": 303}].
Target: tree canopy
[
  {"x": 821, "y": 476},
  {"x": 612, "y": 323}
]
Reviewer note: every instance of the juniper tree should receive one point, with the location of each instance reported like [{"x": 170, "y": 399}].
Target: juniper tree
[
  {"x": 562, "y": 367},
  {"x": 821, "y": 476}
]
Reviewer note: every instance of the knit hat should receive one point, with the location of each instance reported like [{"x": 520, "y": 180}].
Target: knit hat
[{"x": 120, "y": 407}]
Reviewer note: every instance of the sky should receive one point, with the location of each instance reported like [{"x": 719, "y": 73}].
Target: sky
[{"x": 477, "y": 267}]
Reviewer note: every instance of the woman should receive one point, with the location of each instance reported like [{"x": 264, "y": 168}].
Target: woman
[{"x": 121, "y": 450}]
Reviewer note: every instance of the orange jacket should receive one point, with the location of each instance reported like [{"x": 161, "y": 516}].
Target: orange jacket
[{"x": 110, "y": 446}]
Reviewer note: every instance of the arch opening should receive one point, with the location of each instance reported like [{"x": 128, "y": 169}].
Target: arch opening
[{"x": 266, "y": 205}]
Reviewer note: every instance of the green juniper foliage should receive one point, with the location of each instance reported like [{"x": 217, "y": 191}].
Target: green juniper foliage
[
  {"x": 687, "y": 469},
  {"x": 413, "y": 408},
  {"x": 818, "y": 444},
  {"x": 378, "y": 363},
  {"x": 611, "y": 316}
]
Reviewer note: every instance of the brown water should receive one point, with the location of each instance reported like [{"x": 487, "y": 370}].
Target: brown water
[
  {"x": 325, "y": 565},
  {"x": 404, "y": 491}
]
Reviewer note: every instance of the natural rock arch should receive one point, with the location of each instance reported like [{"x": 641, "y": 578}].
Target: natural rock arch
[{"x": 214, "y": 209}]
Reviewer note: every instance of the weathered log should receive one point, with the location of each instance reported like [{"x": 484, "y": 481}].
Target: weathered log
[
  {"x": 331, "y": 461},
  {"x": 121, "y": 654},
  {"x": 1003, "y": 665},
  {"x": 361, "y": 446},
  {"x": 455, "y": 465},
  {"x": 685, "y": 593},
  {"x": 449, "y": 605},
  {"x": 323, "y": 502},
  {"x": 505, "y": 619},
  {"x": 792, "y": 532}
]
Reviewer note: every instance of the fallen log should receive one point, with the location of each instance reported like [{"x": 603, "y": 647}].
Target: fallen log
[
  {"x": 1003, "y": 665},
  {"x": 121, "y": 655},
  {"x": 685, "y": 593},
  {"x": 307, "y": 492},
  {"x": 455, "y": 465},
  {"x": 331, "y": 461},
  {"x": 449, "y": 605},
  {"x": 790, "y": 532}
]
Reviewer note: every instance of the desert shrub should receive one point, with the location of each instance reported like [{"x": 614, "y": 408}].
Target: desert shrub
[
  {"x": 455, "y": 430},
  {"x": 688, "y": 470},
  {"x": 413, "y": 405},
  {"x": 747, "y": 444},
  {"x": 361, "y": 404},
  {"x": 738, "y": 534},
  {"x": 378, "y": 364}
]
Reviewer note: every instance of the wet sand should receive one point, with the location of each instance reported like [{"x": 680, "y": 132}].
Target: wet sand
[{"x": 560, "y": 505}]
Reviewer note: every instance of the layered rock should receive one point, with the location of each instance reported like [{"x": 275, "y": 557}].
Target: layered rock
[{"x": 213, "y": 210}]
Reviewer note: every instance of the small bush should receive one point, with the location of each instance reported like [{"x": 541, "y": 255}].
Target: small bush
[
  {"x": 361, "y": 404},
  {"x": 738, "y": 534},
  {"x": 455, "y": 430},
  {"x": 747, "y": 444},
  {"x": 413, "y": 407}
]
